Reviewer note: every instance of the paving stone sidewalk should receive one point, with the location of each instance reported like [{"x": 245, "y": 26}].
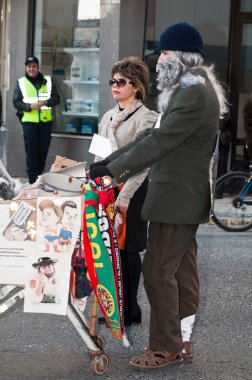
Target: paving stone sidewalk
[{"x": 48, "y": 347}]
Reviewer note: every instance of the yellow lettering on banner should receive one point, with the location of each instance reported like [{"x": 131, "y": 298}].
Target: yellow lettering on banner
[
  {"x": 93, "y": 234},
  {"x": 98, "y": 265},
  {"x": 89, "y": 216},
  {"x": 96, "y": 251}
]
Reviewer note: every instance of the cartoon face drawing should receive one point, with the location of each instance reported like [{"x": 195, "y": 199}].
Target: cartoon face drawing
[
  {"x": 70, "y": 215},
  {"x": 44, "y": 287},
  {"x": 51, "y": 214},
  {"x": 50, "y": 218},
  {"x": 47, "y": 270},
  {"x": 14, "y": 232}
]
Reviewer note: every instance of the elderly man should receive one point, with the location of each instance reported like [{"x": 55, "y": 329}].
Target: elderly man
[{"x": 178, "y": 151}]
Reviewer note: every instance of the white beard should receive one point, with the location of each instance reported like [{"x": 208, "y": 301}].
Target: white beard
[
  {"x": 168, "y": 75},
  {"x": 163, "y": 100}
]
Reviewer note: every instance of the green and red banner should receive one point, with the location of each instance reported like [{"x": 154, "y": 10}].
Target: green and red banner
[{"x": 103, "y": 258}]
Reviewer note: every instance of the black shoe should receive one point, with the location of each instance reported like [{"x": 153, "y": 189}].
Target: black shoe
[
  {"x": 136, "y": 319},
  {"x": 127, "y": 323},
  {"x": 32, "y": 180}
]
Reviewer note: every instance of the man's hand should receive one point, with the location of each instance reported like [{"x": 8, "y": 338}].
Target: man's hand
[
  {"x": 100, "y": 171},
  {"x": 98, "y": 163}
]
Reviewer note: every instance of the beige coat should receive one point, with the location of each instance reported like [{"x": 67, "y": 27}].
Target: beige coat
[{"x": 126, "y": 132}]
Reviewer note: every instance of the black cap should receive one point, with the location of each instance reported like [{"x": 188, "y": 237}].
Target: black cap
[
  {"x": 31, "y": 59},
  {"x": 43, "y": 261},
  {"x": 181, "y": 37}
]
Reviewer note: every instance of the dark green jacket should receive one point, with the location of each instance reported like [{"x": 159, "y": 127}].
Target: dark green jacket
[{"x": 178, "y": 154}]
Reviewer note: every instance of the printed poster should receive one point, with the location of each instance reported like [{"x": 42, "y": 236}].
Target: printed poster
[
  {"x": 58, "y": 224},
  {"x": 47, "y": 285},
  {"x": 17, "y": 239},
  {"x": 48, "y": 275},
  {"x": 37, "y": 239}
]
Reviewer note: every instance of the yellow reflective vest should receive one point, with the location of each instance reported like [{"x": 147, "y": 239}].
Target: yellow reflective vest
[{"x": 32, "y": 95}]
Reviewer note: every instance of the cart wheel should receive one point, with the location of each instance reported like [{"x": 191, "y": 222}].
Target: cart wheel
[
  {"x": 99, "y": 364},
  {"x": 100, "y": 341}
]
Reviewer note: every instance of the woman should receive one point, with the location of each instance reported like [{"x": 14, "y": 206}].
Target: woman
[{"x": 121, "y": 125}]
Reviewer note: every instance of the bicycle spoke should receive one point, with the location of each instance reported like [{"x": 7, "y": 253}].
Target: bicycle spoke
[{"x": 233, "y": 208}]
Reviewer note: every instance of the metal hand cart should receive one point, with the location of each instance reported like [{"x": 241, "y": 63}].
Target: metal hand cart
[{"x": 10, "y": 295}]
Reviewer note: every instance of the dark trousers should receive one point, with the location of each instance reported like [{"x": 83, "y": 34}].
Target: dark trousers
[
  {"x": 37, "y": 138},
  {"x": 131, "y": 271},
  {"x": 171, "y": 282}
]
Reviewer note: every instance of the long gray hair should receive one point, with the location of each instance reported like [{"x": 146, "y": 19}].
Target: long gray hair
[{"x": 186, "y": 63}]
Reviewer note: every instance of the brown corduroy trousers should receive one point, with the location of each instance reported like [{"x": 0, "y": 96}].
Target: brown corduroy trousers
[{"x": 171, "y": 282}]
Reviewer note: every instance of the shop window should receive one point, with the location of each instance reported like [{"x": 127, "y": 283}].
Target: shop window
[
  {"x": 246, "y": 5},
  {"x": 67, "y": 41},
  {"x": 211, "y": 19}
]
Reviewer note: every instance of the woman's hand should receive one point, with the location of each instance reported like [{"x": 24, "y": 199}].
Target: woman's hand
[{"x": 121, "y": 206}]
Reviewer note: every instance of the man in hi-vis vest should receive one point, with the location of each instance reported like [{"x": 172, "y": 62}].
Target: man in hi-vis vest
[{"x": 34, "y": 96}]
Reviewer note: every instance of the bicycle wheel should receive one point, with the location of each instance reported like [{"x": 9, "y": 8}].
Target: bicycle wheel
[{"x": 233, "y": 202}]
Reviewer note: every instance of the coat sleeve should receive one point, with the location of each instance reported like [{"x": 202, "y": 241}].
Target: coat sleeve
[
  {"x": 55, "y": 98},
  {"x": 18, "y": 100},
  {"x": 183, "y": 117}
]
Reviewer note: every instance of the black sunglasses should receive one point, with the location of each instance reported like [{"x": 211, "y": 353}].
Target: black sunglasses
[{"x": 119, "y": 82}]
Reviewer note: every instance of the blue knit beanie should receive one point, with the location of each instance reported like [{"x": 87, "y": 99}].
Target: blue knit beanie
[{"x": 181, "y": 37}]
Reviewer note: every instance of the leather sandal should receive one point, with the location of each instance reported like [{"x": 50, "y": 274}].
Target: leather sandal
[
  {"x": 187, "y": 352},
  {"x": 156, "y": 359}
]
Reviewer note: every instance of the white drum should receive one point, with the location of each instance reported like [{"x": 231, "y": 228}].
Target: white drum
[{"x": 61, "y": 185}]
